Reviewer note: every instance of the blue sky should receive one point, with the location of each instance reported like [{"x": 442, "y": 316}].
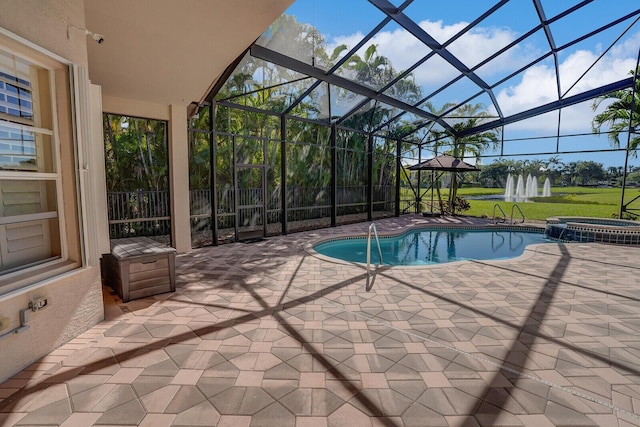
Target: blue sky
[{"x": 346, "y": 21}]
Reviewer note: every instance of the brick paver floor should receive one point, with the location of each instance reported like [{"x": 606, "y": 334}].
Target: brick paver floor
[{"x": 270, "y": 334}]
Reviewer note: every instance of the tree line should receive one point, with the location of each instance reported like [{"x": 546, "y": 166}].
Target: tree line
[{"x": 560, "y": 174}]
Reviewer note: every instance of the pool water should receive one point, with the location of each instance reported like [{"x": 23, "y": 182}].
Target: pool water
[{"x": 435, "y": 246}]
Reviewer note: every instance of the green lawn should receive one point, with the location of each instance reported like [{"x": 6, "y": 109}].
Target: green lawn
[
  {"x": 541, "y": 211},
  {"x": 564, "y": 201}
]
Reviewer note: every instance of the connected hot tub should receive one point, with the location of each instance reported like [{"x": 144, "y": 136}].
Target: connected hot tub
[{"x": 586, "y": 229}]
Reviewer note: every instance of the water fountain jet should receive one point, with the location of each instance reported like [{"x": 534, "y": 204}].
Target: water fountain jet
[
  {"x": 546, "y": 190},
  {"x": 520, "y": 190},
  {"x": 508, "y": 188}
]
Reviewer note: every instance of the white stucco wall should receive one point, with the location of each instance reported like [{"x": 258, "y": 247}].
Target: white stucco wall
[
  {"x": 45, "y": 23},
  {"x": 75, "y": 304},
  {"x": 98, "y": 171},
  {"x": 179, "y": 174},
  {"x": 134, "y": 107},
  {"x": 75, "y": 299}
]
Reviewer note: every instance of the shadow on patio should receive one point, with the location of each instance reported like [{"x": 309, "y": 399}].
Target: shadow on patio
[{"x": 264, "y": 334}]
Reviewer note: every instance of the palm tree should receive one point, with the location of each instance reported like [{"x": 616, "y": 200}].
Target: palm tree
[
  {"x": 466, "y": 117},
  {"x": 375, "y": 71},
  {"x": 372, "y": 69},
  {"x": 616, "y": 114}
]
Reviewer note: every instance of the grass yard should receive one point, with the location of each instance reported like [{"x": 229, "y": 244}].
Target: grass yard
[
  {"x": 541, "y": 210},
  {"x": 564, "y": 201}
]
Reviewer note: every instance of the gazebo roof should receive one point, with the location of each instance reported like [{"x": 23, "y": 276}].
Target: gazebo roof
[{"x": 445, "y": 163}]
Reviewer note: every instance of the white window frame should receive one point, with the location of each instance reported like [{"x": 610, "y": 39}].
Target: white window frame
[{"x": 28, "y": 277}]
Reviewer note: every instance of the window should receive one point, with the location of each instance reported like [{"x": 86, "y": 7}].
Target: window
[{"x": 30, "y": 180}]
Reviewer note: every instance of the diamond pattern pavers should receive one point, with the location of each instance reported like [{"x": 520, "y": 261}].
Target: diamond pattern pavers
[{"x": 267, "y": 334}]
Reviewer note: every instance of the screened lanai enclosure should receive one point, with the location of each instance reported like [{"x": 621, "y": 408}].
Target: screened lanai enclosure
[{"x": 318, "y": 122}]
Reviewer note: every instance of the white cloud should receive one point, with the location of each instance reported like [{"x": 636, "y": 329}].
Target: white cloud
[
  {"x": 349, "y": 40},
  {"x": 478, "y": 44},
  {"x": 536, "y": 86},
  {"x": 403, "y": 49}
]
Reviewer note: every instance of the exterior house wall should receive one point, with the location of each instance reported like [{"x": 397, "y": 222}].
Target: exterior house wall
[
  {"x": 75, "y": 297},
  {"x": 55, "y": 31},
  {"x": 46, "y": 24},
  {"x": 135, "y": 108},
  {"x": 179, "y": 178}
]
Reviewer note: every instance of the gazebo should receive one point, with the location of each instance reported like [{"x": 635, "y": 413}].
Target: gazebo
[{"x": 442, "y": 163}]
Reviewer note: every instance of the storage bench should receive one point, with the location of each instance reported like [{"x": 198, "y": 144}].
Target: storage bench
[{"x": 139, "y": 267}]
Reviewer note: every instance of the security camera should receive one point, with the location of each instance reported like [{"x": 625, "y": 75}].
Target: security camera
[{"x": 98, "y": 37}]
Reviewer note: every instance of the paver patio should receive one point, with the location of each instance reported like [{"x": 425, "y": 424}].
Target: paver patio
[{"x": 268, "y": 334}]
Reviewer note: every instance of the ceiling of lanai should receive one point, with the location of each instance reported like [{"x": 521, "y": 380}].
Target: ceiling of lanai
[{"x": 168, "y": 51}]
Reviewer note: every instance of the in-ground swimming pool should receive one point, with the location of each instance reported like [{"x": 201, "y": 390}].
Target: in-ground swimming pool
[{"x": 424, "y": 246}]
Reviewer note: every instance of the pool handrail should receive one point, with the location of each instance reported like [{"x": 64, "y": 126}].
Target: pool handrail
[
  {"x": 375, "y": 232},
  {"x": 515, "y": 206},
  {"x": 504, "y": 215}
]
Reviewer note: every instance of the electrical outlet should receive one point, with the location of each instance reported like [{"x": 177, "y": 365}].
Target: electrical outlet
[
  {"x": 38, "y": 304},
  {"x": 5, "y": 323}
]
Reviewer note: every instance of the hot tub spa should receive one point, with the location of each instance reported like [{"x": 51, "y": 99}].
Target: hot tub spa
[{"x": 585, "y": 229}]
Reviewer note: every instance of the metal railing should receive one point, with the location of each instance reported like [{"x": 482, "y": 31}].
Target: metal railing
[
  {"x": 138, "y": 204},
  {"x": 515, "y": 206},
  {"x": 148, "y": 212},
  {"x": 138, "y": 213},
  {"x": 375, "y": 233},
  {"x": 504, "y": 215},
  {"x": 299, "y": 199}
]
